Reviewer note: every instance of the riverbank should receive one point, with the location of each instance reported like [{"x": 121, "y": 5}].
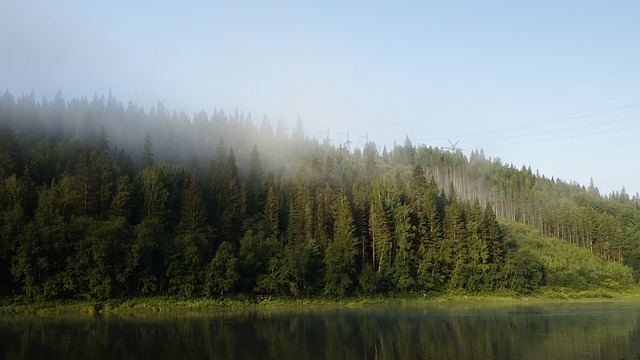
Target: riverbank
[{"x": 151, "y": 305}]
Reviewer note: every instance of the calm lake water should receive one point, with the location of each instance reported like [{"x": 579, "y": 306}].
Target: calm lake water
[{"x": 594, "y": 330}]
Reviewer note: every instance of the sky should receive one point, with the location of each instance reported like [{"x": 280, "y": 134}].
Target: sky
[{"x": 554, "y": 85}]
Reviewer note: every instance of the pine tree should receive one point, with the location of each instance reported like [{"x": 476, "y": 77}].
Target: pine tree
[
  {"x": 217, "y": 196},
  {"x": 106, "y": 174},
  {"x": 155, "y": 190},
  {"x": 192, "y": 245},
  {"x": 193, "y": 220},
  {"x": 492, "y": 235},
  {"x": 381, "y": 246},
  {"x": 8, "y": 153},
  {"x": 477, "y": 263},
  {"x": 254, "y": 186},
  {"x": 435, "y": 252},
  {"x": 271, "y": 212},
  {"x": 233, "y": 199},
  {"x": 147, "y": 153},
  {"x": 300, "y": 225},
  {"x": 405, "y": 253},
  {"x": 124, "y": 163},
  {"x": 455, "y": 241},
  {"x": 418, "y": 187},
  {"x": 341, "y": 252},
  {"x": 102, "y": 142},
  {"x": 120, "y": 202}
]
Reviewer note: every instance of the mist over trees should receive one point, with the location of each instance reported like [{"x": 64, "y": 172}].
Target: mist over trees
[{"x": 101, "y": 200}]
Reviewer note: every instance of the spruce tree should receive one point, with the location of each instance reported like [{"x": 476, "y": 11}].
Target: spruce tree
[
  {"x": 341, "y": 252},
  {"x": 147, "y": 153},
  {"x": 492, "y": 235},
  {"x": 271, "y": 213}
]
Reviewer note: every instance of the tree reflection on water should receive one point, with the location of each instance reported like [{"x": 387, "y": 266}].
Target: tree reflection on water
[{"x": 564, "y": 331}]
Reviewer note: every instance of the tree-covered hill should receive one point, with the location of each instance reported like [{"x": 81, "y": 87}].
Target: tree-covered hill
[
  {"x": 560, "y": 265},
  {"x": 100, "y": 200}
]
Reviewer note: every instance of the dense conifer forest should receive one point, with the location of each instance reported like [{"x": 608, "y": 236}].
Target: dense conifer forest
[{"x": 100, "y": 200}]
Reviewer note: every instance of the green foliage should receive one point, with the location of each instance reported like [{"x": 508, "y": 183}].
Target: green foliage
[
  {"x": 340, "y": 254},
  {"x": 97, "y": 265},
  {"x": 339, "y": 261},
  {"x": 564, "y": 265},
  {"x": 294, "y": 270},
  {"x": 222, "y": 271},
  {"x": 368, "y": 280},
  {"x": 39, "y": 260},
  {"x": 185, "y": 267},
  {"x": 80, "y": 217},
  {"x": 147, "y": 153},
  {"x": 271, "y": 211},
  {"x": 254, "y": 256},
  {"x": 404, "y": 253},
  {"x": 145, "y": 260},
  {"x": 8, "y": 153},
  {"x": 523, "y": 272}
]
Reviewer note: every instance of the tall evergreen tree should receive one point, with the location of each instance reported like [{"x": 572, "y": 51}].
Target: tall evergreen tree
[
  {"x": 455, "y": 243},
  {"x": 254, "y": 185},
  {"x": 492, "y": 235},
  {"x": 147, "y": 153},
  {"x": 192, "y": 246},
  {"x": 271, "y": 211},
  {"x": 87, "y": 183},
  {"x": 301, "y": 220},
  {"x": 233, "y": 198},
  {"x": 379, "y": 232},
  {"x": 341, "y": 252},
  {"x": 405, "y": 249},
  {"x": 8, "y": 153}
]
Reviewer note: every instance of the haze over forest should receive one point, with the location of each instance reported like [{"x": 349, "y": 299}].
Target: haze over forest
[
  {"x": 551, "y": 85},
  {"x": 103, "y": 200},
  {"x": 344, "y": 147}
]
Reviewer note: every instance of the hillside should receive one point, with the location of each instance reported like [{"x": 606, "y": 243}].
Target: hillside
[
  {"x": 559, "y": 266},
  {"x": 100, "y": 201}
]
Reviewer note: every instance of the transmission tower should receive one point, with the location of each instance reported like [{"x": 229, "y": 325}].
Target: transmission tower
[{"x": 347, "y": 143}]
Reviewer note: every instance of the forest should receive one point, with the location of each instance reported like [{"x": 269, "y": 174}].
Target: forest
[{"x": 100, "y": 200}]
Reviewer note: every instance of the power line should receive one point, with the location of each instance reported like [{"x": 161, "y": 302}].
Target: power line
[
  {"x": 564, "y": 130},
  {"x": 530, "y": 126},
  {"x": 565, "y": 137}
]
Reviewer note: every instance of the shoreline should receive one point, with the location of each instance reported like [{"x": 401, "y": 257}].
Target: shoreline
[{"x": 171, "y": 305}]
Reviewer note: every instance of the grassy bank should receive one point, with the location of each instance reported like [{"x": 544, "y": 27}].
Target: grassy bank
[{"x": 155, "y": 305}]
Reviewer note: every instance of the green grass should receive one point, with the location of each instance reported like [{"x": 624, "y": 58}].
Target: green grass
[
  {"x": 168, "y": 305},
  {"x": 569, "y": 268}
]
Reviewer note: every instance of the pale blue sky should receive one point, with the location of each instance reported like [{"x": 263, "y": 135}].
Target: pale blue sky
[{"x": 550, "y": 84}]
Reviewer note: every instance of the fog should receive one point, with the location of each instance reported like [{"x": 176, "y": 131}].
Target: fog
[
  {"x": 513, "y": 80},
  {"x": 176, "y": 138}
]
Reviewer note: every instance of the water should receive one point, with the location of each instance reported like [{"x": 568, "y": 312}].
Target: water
[{"x": 595, "y": 330}]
